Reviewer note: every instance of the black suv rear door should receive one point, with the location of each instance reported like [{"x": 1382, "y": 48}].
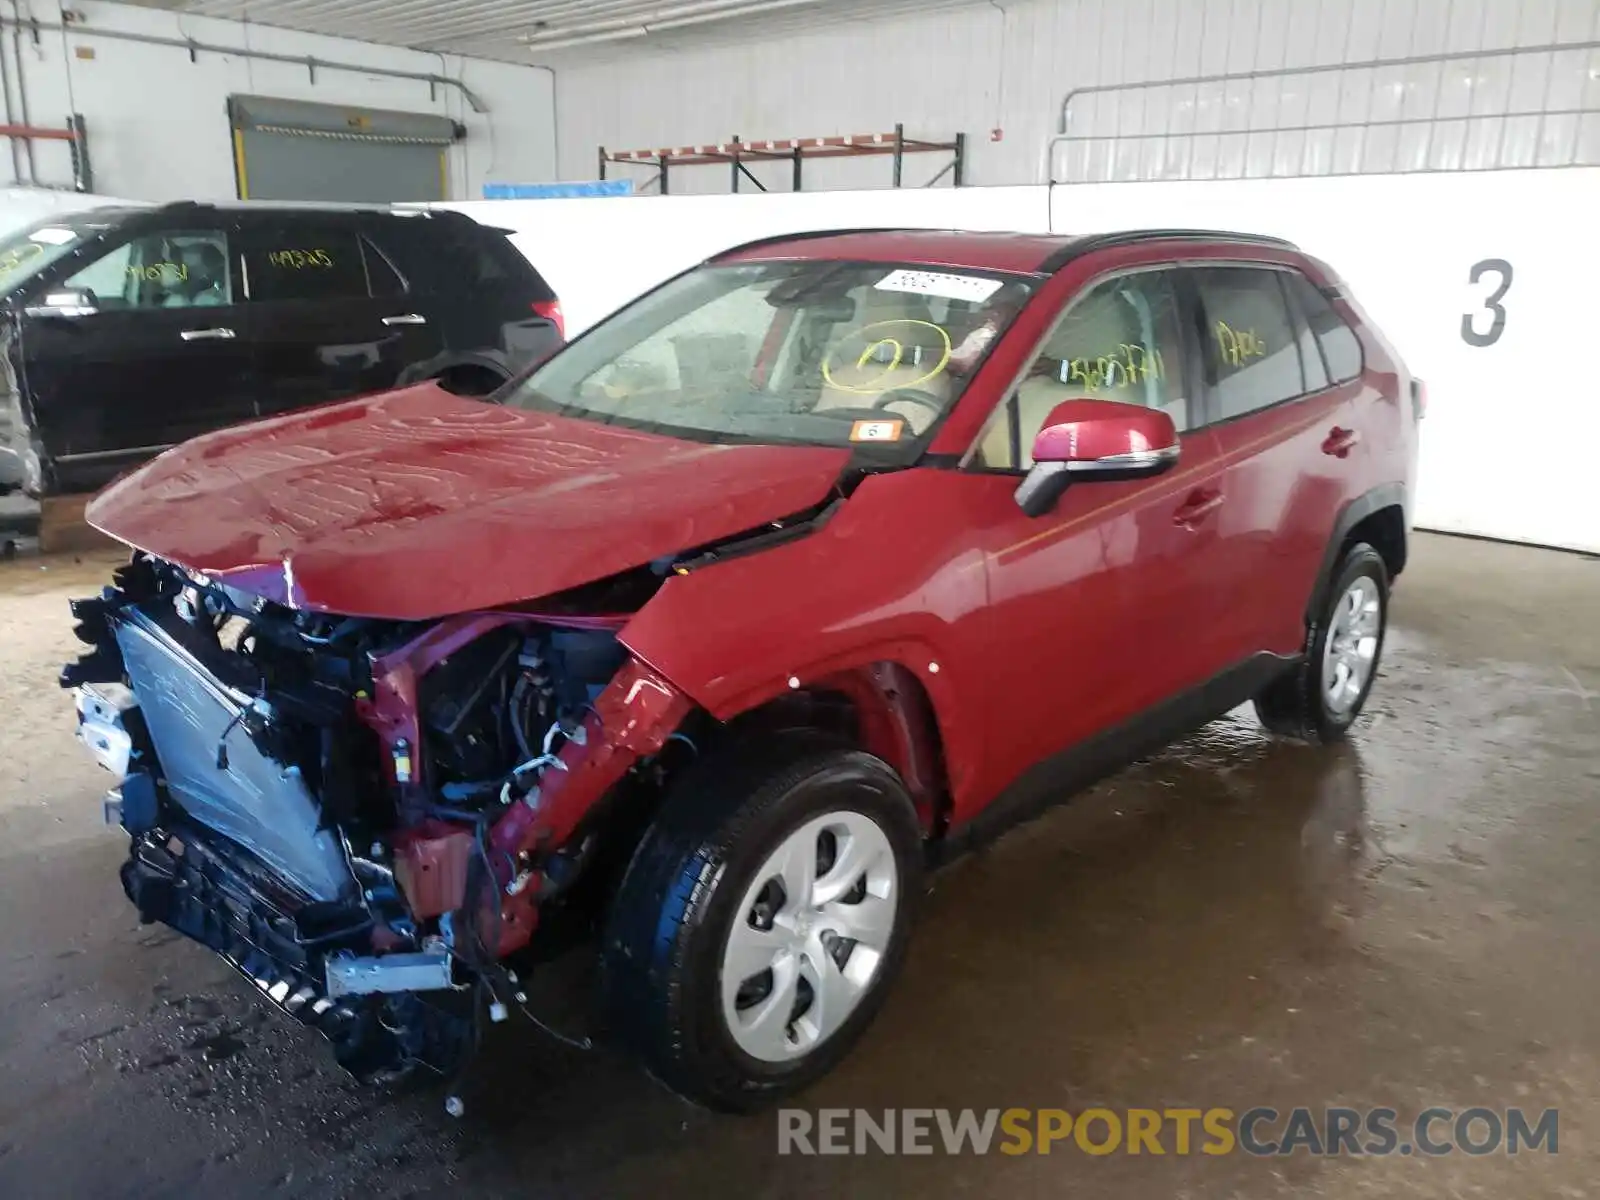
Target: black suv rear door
[
  {"x": 328, "y": 315},
  {"x": 474, "y": 285},
  {"x": 149, "y": 352}
]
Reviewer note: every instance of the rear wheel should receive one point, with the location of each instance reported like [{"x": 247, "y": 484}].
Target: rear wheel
[
  {"x": 761, "y": 921},
  {"x": 1321, "y": 698}
]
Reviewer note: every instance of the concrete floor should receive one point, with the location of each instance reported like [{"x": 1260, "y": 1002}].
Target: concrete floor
[{"x": 1405, "y": 921}]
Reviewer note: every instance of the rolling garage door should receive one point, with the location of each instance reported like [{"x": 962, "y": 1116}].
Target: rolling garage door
[{"x": 294, "y": 150}]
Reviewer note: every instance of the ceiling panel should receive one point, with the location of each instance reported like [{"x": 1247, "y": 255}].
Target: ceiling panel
[{"x": 551, "y": 31}]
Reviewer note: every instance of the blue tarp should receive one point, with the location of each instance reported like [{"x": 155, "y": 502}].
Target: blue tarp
[{"x": 557, "y": 191}]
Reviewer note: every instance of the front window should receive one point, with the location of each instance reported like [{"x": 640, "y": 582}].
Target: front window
[
  {"x": 816, "y": 352},
  {"x": 1120, "y": 341},
  {"x": 23, "y": 255},
  {"x": 170, "y": 268}
]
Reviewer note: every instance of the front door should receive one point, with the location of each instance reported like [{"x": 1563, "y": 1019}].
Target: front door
[
  {"x": 1098, "y": 608},
  {"x": 138, "y": 350},
  {"x": 328, "y": 317}
]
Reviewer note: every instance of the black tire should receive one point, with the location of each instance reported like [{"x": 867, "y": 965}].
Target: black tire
[
  {"x": 1296, "y": 704},
  {"x": 671, "y": 918}
]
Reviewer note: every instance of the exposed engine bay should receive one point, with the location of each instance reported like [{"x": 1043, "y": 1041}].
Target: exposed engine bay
[{"x": 370, "y": 819}]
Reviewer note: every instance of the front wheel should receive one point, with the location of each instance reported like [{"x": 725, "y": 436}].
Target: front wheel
[
  {"x": 1320, "y": 699},
  {"x": 761, "y": 921}
]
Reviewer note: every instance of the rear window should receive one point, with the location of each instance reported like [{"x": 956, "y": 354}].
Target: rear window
[
  {"x": 1253, "y": 355},
  {"x": 304, "y": 262}
]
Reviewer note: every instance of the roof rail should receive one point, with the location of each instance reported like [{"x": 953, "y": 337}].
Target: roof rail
[
  {"x": 807, "y": 235},
  {"x": 1130, "y": 237}
]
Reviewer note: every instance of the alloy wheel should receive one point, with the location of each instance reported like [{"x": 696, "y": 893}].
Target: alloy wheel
[{"x": 809, "y": 936}]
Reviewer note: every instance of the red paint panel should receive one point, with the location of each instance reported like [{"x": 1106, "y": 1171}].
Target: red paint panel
[{"x": 418, "y": 504}]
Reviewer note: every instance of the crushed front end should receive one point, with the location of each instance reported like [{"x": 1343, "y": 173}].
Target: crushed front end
[{"x": 365, "y": 817}]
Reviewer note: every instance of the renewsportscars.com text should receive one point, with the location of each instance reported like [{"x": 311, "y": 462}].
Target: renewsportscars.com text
[{"x": 1258, "y": 1131}]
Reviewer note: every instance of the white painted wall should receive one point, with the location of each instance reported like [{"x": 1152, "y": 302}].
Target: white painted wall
[
  {"x": 1006, "y": 65},
  {"x": 1507, "y": 424},
  {"x": 158, "y": 125}
]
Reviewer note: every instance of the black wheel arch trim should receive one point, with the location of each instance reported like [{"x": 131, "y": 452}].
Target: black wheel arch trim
[
  {"x": 1385, "y": 495},
  {"x": 488, "y": 359}
]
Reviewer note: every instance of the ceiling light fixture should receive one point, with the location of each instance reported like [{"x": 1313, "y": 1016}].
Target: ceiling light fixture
[{"x": 677, "y": 16}]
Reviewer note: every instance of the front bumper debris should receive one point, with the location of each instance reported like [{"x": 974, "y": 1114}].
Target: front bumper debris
[{"x": 101, "y": 729}]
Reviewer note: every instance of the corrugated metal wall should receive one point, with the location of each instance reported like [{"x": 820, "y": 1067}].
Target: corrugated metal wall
[{"x": 1006, "y": 66}]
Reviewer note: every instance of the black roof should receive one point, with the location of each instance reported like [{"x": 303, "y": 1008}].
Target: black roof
[
  {"x": 1071, "y": 247},
  {"x": 1089, "y": 242}
]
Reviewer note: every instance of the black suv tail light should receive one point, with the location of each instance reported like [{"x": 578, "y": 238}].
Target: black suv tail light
[{"x": 550, "y": 310}]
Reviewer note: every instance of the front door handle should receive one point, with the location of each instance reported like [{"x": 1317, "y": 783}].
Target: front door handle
[
  {"x": 1339, "y": 441},
  {"x": 218, "y": 334},
  {"x": 406, "y": 319},
  {"x": 1201, "y": 503}
]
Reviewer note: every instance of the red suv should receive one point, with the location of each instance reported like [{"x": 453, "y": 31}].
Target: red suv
[{"x": 814, "y": 565}]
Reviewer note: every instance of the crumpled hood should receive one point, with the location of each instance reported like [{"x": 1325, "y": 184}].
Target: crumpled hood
[{"x": 417, "y": 504}]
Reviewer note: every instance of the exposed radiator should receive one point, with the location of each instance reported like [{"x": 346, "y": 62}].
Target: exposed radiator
[{"x": 259, "y": 804}]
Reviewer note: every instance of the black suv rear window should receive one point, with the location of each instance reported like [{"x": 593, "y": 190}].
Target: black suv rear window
[
  {"x": 455, "y": 257},
  {"x": 304, "y": 262}
]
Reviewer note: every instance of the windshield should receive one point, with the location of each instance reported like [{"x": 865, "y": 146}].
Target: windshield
[
  {"x": 23, "y": 255},
  {"x": 817, "y": 352}
]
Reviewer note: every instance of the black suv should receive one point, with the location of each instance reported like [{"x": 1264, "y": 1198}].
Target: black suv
[{"x": 128, "y": 330}]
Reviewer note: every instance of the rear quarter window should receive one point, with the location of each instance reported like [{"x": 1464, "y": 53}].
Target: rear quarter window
[
  {"x": 459, "y": 258},
  {"x": 1341, "y": 349}
]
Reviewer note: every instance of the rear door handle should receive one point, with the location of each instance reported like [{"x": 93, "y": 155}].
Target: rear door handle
[
  {"x": 218, "y": 334},
  {"x": 1339, "y": 441},
  {"x": 1201, "y": 503},
  {"x": 406, "y": 319}
]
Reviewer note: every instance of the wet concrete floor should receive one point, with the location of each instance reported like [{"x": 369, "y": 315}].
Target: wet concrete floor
[{"x": 1406, "y": 921}]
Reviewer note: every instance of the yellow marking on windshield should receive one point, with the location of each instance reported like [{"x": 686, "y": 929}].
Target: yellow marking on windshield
[
  {"x": 899, "y": 353},
  {"x": 883, "y": 382}
]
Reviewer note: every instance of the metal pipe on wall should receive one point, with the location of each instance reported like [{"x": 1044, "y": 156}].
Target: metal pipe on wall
[
  {"x": 22, "y": 91},
  {"x": 11, "y": 116},
  {"x": 310, "y": 62}
]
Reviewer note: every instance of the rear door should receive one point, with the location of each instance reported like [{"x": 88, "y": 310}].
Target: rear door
[
  {"x": 1291, "y": 454},
  {"x": 150, "y": 352},
  {"x": 328, "y": 314}
]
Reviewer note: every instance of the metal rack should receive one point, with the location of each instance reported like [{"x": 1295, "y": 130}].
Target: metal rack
[
  {"x": 795, "y": 151},
  {"x": 74, "y": 134}
]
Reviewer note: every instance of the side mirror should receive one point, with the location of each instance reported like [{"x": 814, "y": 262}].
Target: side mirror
[
  {"x": 65, "y": 302},
  {"x": 1095, "y": 439}
]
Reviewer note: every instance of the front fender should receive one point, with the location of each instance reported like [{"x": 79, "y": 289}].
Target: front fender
[{"x": 884, "y": 581}]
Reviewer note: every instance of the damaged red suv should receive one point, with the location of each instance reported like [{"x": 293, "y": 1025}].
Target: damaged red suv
[{"x": 813, "y": 566}]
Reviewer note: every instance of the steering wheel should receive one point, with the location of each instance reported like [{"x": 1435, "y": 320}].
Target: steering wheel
[{"x": 911, "y": 396}]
